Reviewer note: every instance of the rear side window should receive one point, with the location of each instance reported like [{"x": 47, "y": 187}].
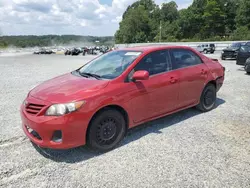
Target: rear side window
[{"x": 182, "y": 58}]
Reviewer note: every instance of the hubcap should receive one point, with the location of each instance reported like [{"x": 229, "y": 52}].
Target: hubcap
[{"x": 107, "y": 131}]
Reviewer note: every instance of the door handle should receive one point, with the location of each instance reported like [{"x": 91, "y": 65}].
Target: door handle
[
  {"x": 203, "y": 71},
  {"x": 173, "y": 80}
]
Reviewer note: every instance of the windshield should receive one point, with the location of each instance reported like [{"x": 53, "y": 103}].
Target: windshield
[
  {"x": 110, "y": 65},
  {"x": 235, "y": 45}
]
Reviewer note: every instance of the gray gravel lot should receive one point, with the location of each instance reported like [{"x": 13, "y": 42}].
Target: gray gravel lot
[{"x": 187, "y": 149}]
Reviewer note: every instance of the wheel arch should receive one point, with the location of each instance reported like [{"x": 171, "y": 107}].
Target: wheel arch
[
  {"x": 213, "y": 82},
  {"x": 113, "y": 107}
]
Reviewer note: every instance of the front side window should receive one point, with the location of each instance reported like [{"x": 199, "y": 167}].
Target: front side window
[
  {"x": 155, "y": 63},
  {"x": 182, "y": 58},
  {"x": 245, "y": 49},
  {"x": 111, "y": 65}
]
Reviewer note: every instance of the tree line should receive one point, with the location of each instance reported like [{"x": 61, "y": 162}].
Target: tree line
[
  {"x": 205, "y": 20},
  {"x": 51, "y": 40}
]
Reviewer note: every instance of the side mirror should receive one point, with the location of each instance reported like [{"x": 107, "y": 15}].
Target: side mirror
[{"x": 140, "y": 75}]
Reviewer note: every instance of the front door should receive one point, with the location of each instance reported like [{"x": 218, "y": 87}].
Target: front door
[{"x": 159, "y": 94}]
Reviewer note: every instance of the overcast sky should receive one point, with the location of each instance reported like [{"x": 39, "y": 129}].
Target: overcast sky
[{"x": 80, "y": 17}]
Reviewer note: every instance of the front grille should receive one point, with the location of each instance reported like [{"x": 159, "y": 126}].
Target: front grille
[
  {"x": 33, "y": 108},
  {"x": 228, "y": 53}
]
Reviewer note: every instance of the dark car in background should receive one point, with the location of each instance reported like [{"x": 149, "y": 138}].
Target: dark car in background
[
  {"x": 232, "y": 51},
  {"x": 243, "y": 55}
]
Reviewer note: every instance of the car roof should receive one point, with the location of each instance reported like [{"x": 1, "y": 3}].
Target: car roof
[{"x": 153, "y": 48}]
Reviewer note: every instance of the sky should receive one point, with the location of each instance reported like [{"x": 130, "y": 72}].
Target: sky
[{"x": 78, "y": 17}]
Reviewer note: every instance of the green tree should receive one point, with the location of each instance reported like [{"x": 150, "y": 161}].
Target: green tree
[
  {"x": 243, "y": 14},
  {"x": 230, "y": 9},
  {"x": 169, "y": 11},
  {"x": 214, "y": 19},
  {"x": 135, "y": 26}
]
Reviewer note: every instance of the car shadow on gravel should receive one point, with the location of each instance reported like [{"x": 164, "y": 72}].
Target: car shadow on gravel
[{"x": 80, "y": 154}]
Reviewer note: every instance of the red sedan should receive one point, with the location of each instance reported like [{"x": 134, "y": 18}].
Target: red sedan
[{"x": 97, "y": 103}]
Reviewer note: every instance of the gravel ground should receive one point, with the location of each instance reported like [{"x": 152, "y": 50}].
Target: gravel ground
[{"x": 187, "y": 149}]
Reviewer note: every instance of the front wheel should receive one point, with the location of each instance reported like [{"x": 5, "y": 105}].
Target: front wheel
[
  {"x": 247, "y": 68},
  {"x": 106, "y": 130},
  {"x": 205, "y": 51},
  {"x": 208, "y": 98}
]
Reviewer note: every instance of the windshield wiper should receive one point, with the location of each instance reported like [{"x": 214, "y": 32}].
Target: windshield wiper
[{"x": 96, "y": 76}]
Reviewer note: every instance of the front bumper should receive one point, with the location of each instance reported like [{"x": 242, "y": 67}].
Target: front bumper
[{"x": 72, "y": 126}]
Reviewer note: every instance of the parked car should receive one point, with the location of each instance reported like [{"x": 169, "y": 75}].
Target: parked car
[
  {"x": 36, "y": 52},
  {"x": 43, "y": 51},
  {"x": 232, "y": 51},
  {"x": 247, "y": 66},
  {"x": 97, "y": 103},
  {"x": 76, "y": 51},
  {"x": 206, "y": 48},
  {"x": 243, "y": 55}
]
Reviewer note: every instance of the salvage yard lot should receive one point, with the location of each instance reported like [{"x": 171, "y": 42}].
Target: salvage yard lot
[{"x": 188, "y": 148}]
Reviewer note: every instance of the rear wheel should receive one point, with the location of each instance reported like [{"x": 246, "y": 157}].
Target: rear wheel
[
  {"x": 106, "y": 130},
  {"x": 208, "y": 98}
]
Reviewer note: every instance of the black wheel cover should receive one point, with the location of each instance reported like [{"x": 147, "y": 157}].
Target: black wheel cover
[
  {"x": 209, "y": 98},
  {"x": 107, "y": 131}
]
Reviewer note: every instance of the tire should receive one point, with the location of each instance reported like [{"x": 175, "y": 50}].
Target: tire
[
  {"x": 106, "y": 130},
  {"x": 207, "y": 99},
  {"x": 246, "y": 69},
  {"x": 223, "y": 58},
  {"x": 205, "y": 51}
]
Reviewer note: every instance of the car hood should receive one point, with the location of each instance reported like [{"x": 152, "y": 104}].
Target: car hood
[
  {"x": 230, "y": 49},
  {"x": 67, "y": 88}
]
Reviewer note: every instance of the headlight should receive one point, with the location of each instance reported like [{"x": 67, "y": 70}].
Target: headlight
[
  {"x": 62, "y": 109},
  {"x": 25, "y": 102}
]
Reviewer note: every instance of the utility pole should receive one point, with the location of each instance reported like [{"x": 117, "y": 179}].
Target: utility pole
[{"x": 160, "y": 32}]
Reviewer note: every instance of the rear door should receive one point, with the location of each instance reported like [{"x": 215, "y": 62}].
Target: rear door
[
  {"x": 159, "y": 94},
  {"x": 193, "y": 75}
]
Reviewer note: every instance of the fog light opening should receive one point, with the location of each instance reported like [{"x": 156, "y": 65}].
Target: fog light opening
[{"x": 57, "y": 136}]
